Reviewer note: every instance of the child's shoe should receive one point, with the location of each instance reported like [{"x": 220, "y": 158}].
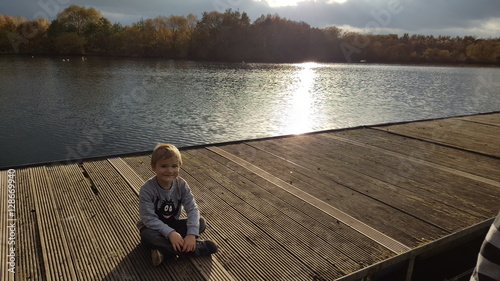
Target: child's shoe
[
  {"x": 156, "y": 257},
  {"x": 205, "y": 247}
]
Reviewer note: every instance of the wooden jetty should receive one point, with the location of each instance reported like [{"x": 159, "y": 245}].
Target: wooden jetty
[{"x": 343, "y": 204}]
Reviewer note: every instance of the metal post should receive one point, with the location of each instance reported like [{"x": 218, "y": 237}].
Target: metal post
[{"x": 411, "y": 264}]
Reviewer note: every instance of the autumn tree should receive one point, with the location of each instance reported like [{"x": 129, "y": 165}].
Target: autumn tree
[
  {"x": 34, "y": 33},
  {"x": 354, "y": 46},
  {"x": 230, "y": 36},
  {"x": 76, "y": 18},
  {"x": 8, "y": 27},
  {"x": 141, "y": 38},
  {"x": 485, "y": 51},
  {"x": 22, "y": 36},
  {"x": 180, "y": 30}
]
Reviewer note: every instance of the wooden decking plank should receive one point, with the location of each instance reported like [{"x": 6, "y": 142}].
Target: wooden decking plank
[
  {"x": 419, "y": 161},
  {"x": 83, "y": 244},
  {"x": 465, "y": 161},
  {"x": 257, "y": 250},
  {"x": 236, "y": 250},
  {"x": 111, "y": 228},
  {"x": 358, "y": 225},
  {"x": 95, "y": 212},
  {"x": 459, "y": 133},
  {"x": 345, "y": 188},
  {"x": 130, "y": 176},
  {"x": 114, "y": 189},
  {"x": 141, "y": 165},
  {"x": 305, "y": 245},
  {"x": 424, "y": 181},
  {"x": 491, "y": 119},
  {"x": 360, "y": 162},
  {"x": 29, "y": 251},
  {"x": 429, "y": 181},
  {"x": 227, "y": 254},
  {"x": 336, "y": 228},
  {"x": 261, "y": 252},
  {"x": 317, "y": 183},
  {"x": 442, "y": 173},
  {"x": 56, "y": 254},
  {"x": 135, "y": 182},
  {"x": 210, "y": 268},
  {"x": 469, "y": 128},
  {"x": 335, "y": 237}
]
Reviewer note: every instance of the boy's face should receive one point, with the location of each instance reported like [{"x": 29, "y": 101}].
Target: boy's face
[{"x": 166, "y": 171}]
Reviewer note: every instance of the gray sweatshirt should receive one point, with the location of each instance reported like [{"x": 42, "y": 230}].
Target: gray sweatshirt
[{"x": 158, "y": 206}]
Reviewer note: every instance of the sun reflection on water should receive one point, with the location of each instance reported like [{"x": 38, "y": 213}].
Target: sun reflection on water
[{"x": 301, "y": 100}]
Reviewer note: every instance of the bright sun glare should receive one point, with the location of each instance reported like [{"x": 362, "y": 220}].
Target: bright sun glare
[
  {"x": 283, "y": 3},
  {"x": 301, "y": 100}
]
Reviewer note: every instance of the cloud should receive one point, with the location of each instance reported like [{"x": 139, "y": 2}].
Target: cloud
[
  {"x": 121, "y": 17},
  {"x": 445, "y": 17}
]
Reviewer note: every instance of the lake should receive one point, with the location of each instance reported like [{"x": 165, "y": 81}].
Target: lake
[{"x": 54, "y": 109}]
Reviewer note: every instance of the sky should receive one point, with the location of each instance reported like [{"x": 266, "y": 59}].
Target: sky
[{"x": 479, "y": 18}]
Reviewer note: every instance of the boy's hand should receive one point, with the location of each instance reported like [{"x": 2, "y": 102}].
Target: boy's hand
[
  {"x": 176, "y": 241},
  {"x": 189, "y": 243}
]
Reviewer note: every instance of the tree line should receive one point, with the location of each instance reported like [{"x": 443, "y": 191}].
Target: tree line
[{"x": 230, "y": 36}]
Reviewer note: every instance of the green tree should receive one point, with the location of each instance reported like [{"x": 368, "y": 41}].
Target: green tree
[
  {"x": 221, "y": 36},
  {"x": 101, "y": 37},
  {"x": 280, "y": 39},
  {"x": 329, "y": 45}
]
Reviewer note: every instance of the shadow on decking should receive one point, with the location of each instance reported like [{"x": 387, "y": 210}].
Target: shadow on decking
[{"x": 136, "y": 265}]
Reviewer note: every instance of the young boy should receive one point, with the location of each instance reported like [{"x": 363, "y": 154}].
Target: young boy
[{"x": 161, "y": 200}]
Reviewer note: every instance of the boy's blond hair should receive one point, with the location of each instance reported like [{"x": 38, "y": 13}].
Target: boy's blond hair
[{"x": 165, "y": 151}]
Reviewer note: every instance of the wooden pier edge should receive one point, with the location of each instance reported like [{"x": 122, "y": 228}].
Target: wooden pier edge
[
  {"x": 407, "y": 260},
  {"x": 148, "y": 152}
]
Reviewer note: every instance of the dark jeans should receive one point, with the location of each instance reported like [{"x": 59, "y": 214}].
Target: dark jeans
[{"x": 153, "y": 239}]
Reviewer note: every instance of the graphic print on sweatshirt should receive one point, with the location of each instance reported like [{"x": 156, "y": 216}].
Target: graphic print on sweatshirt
[{"x": 166, "y": 209}]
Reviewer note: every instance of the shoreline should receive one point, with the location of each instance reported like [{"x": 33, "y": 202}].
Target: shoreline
[
  {"x": 146, "y": 152},
  {"x": 403, "y": 63}
]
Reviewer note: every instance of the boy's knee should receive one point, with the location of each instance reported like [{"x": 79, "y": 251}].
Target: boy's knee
[
  {"x": 203, "y": 225},
  {"x": 151, "y": 238}
]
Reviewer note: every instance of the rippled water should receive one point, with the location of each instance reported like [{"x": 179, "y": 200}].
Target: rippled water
[{"x": 60, "y": 110}]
